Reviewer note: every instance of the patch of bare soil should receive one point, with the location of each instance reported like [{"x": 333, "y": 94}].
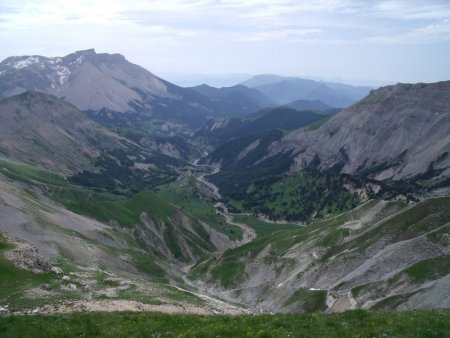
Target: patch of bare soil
[
  {"x": 120, "y": 306},
  {"x": 132, "y": 306},
  {"x": 343, "y": 303}
]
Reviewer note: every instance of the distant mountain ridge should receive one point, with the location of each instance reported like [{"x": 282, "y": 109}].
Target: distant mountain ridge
[
  {"x": 238, "y": 100},
  {"x": 284, "y": 90},
  {"x": 221, "y": 130}
]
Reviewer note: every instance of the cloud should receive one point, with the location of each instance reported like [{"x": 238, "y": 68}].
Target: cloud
[
  {"x": 438, "y": 32},
  {"x": 413, "y": 9}
]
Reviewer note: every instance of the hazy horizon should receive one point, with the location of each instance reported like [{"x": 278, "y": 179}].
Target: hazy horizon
[{"x": 357, "y": 42}]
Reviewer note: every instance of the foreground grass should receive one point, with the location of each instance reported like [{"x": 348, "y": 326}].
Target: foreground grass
[{"x": 349, "y": 324}]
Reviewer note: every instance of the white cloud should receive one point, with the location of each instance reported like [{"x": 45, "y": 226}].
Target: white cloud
[
  {"x": 413, "y": 9},
  {"x": 432, "y": 33}
]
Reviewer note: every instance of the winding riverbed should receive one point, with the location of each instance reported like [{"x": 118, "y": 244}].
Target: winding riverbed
[{"x": 248, "y": 233}]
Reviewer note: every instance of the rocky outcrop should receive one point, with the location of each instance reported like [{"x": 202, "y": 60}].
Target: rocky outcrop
[{"x": 25, "y": 256}]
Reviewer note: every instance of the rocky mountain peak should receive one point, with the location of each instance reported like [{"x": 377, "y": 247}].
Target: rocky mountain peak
[{"x": 89, "y": 80}]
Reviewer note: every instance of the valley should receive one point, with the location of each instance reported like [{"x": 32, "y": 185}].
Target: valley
[
  {"x": 122, "y": 192},
  {"x": 347, "y": 261}
]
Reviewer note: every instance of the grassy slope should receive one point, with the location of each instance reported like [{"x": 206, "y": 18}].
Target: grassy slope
[
  {"x": 350, "y": 324},
  {"x": 228, "y": 269},
  {"x": 190, "y": 200},
  {"x": 15, "y": 282},
  {"x": 104, "y": 206},
  {"x": 161, "y": 208}
]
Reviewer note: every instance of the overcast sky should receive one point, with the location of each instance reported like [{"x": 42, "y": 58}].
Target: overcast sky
[{"x": 375, "y": 41}]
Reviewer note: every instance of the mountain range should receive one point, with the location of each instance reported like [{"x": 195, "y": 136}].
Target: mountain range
[
  {"x": 395, "y": 132},
  {"x": 259, "y": 197},
  {"x": 109, "y": 88}
]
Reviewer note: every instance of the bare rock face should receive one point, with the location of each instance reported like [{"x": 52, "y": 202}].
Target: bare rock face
[{"x": 395, "y": 132}]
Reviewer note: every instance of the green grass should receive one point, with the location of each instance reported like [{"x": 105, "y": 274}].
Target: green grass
[
  {"x": 334, "y": 236},
  {"x": 30, "y": 174},
  {"x": 228, "y": 269},
  {"x": 429, "y": 269},
  {"x": 164, "y": 294},
  {"x": 263, "y": 228},
  {"x": 391, "y": 302},
  {"x": 127, "y": 212},
  {"x": 229, "y": 272},
  {"x": 161, "y": 209},
  {"x": 146, "y": 263},
  {"x": 308, "y": 301},
  {"x": 349, "y": 324}
]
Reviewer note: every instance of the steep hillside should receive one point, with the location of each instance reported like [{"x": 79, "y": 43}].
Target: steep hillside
[
  {"x": 113, "y": 247},
  {"x": 284, "y": 90},
  {"x": 39, "y": 128},
  {"x": 396, "y": 132},
  {"x": 381, "y": 255}
]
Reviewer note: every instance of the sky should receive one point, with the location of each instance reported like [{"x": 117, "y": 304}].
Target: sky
[{"x": 361, "y": 42}]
